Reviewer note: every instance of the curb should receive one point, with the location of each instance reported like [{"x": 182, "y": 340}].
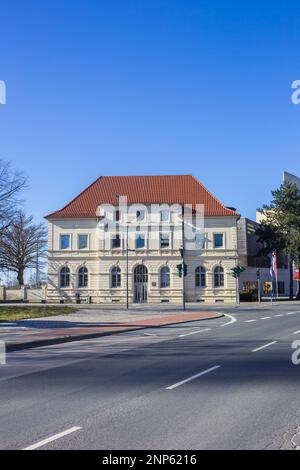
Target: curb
[{"x": 68, "y": 339}]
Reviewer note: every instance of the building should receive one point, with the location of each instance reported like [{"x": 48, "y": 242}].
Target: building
[
  {"x": 289, "y": 178},
  {"x": 250, "y": 258},
  {"x": 130, "y": 227}
]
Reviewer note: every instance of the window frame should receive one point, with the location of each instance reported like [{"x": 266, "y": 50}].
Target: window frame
[
  {"x": 200, "y": 273},
  {"x": 220, "y": 275},
  {"x": 61, "y": 236},
  {"x": 84, "y": 275},
  {"x": 116, "y": 277},
  {"x": 214, "y": 240},
  {"x": 164, "y": 234},
  {"x": 116, "y": 236},
  {"x": 165, "y": 274},
  {"x": 165, "y": 211},
  {"x": 141, "y": 236},
  {"x": 87, "y": 241},
  {"x": 67, "y": 276}
]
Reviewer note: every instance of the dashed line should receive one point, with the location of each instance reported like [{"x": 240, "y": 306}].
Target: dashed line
[
  {"x": 279, "y": 315},
  {"x": 296, "y": 332},
  {"x": 291, "y": 313},
  {"x": 194, "y": 332},
  {"x": 249, "y": 321},
  {"x": 264, "y": 346},
  {"x": 193, "y": 377},
  {"x": 52, "y": 438},
  {"x": 265, "y": 318}
]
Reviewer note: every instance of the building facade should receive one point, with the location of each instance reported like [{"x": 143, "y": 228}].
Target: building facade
[
  {"x": 258, "y": 265},
  {"x": 103, "y": 250}
]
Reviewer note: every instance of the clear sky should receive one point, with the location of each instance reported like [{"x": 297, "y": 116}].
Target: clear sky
[{"x": 120, "y": 87}]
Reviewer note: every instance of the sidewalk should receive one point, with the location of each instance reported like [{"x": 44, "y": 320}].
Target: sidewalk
[{"x": 48, "y": 330}]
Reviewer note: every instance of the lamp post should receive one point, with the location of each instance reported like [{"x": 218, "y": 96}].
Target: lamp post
[
  {"x": 258, "y": 286},
  {"x": 183, "y": 263},
  {"x": 118, "y": 197}
]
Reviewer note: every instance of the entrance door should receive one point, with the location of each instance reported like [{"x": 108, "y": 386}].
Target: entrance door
[{"x": 140, "y": 284}]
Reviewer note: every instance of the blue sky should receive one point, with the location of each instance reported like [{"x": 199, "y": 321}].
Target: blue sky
[{"x": 118, "y": 87}]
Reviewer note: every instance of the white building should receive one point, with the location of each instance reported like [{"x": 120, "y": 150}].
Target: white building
[{"x": 88, "y": 253}]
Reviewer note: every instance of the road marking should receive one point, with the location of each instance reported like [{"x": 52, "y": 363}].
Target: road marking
[
  {"x": 264, "y": 346},
  {"x": 291, "y": 313},
  {"x": 279, "y": 315},
  {"x": 265, "y": 318},
  {"x": 249, "y": 321},
  {"x": 52, "y": 438},
  {"x": 194, "y": 332},
  {"x": 296, "y": 332},
  {"x": 193, "y": 377},
  {"x": 232, "y": 319}
]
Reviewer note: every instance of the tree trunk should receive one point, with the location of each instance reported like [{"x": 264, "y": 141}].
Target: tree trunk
[
  {"x": 291, "y": 278},
  {"x": 21, "y": 277}
]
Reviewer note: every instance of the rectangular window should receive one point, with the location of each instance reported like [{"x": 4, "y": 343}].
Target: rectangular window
[
  {"x": 199, "y": 240},
  {"x": 218, "y": 240},
  {"x": 164, "y": 216},
  {"x": 164, "y": 240},
  {"x": 116, "y": 242},
  {"x": 140, "y": 241},
  {"x": 65, "y": 242},
  {"x": 117, "y": 215},
  {"x": 82, "y": 242},
  {"x": 140, "y": 215}
]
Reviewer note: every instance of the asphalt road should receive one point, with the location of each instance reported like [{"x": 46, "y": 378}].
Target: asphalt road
[{"x": 219, "y": 384}]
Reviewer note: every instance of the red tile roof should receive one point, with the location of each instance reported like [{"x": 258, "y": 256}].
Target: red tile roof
[{"x": 170, "y": 189}]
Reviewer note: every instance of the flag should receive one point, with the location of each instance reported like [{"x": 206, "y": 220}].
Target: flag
[
  {"x": 273, "y": 268},
  {"x": 294, "y": 269}
]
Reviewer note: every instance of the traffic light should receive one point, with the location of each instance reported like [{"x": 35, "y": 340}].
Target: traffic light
[
  {"x": 179, "y": 270},
  {"x": 236, "y": 271}
]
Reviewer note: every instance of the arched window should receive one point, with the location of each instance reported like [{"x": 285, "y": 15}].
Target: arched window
[
  {"x": 200, "y": 277},
  {"x": 219, "y": 276},
  {"x": 65, "y": 277},
  {"x": 116, "y": 277},
  {"x": 83, "y": 277},
  {"x": 165, "y": 276}
]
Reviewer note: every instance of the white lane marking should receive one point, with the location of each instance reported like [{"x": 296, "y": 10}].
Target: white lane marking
[
  {"x": 52, "y": 438},
  {"x": 264, "y": 346},
  {"x": 291, "y": 313},
  {"x": 279, "y": 315},
  {"x": 265, "y": 318},
  {"x": 249, "y": 321},
  {"x": 232, "y": 319},
  {"x": 194, "y": 332},
  {"x": 193, "y": 377},
  {"x": 296, "y": 332}
]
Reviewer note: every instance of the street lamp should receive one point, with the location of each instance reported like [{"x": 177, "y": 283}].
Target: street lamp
[{"x": 118, "y": 197}]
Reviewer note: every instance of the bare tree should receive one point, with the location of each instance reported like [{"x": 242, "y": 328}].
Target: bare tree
[
  {"x": 22, "y": 244},
  {"x": 11, "y": 184}
]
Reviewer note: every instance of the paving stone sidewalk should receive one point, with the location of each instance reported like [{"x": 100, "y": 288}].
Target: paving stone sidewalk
[{"x": 52, "y": 330}]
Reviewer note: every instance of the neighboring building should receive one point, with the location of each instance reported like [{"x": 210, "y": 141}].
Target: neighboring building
[
  {"x": 289, "y": 178},
  {"x": 249, "y": 257},
  {"x": 88, "y": 249}
]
